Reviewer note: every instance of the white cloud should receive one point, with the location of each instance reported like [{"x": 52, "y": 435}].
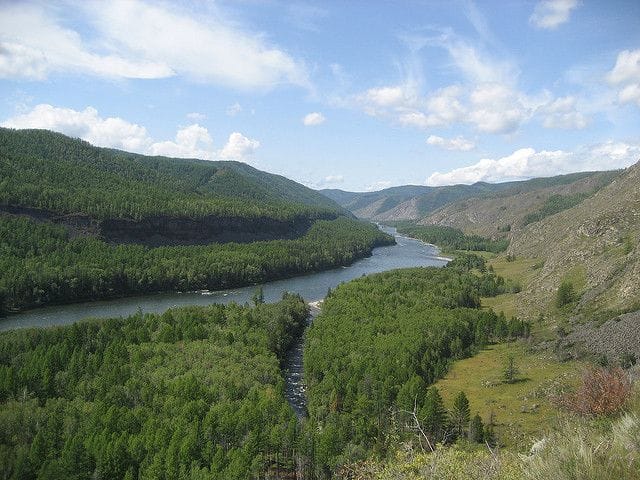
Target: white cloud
[
  {"x": 192, "y": 141},
  {"x": 313, "y": 119},
  {"x": 196, "y": 116},
  {"x": 333, "y": 179},
  {"x": 562, "y": 113},
  {"x": 239, "y": 148},
  {"x": 527, "y": 163},
  {"x": 458, "y": 143},
  {"x": 626, "y": 75},
  {"x": 135, "y": 39},
  {"x": 549, "y": 14},
  {"x": 496, "y": 108},
  {"x": 86, "y": 124},
  {"x": 33, "y": 45},
  {"x": 380, "y": 185},
  {"x": 233, "y": 110}
]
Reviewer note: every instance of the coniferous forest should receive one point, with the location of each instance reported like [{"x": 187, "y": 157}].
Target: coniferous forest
[{"x": 197, "y": 392}]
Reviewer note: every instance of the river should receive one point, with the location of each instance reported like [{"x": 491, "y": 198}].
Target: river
[{"x": 408, "y": 252}]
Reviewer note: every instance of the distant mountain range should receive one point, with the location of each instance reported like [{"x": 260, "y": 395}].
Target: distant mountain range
[
  {"x": 582, "y": 228},
  {"x": 414, "y": 202}
]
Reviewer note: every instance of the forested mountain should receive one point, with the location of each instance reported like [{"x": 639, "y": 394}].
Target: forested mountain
[
  {"x": 412, "y": 202},
  {"x": 79, "y": 222},
  {"x": 50, "y": 171},
  {"x": 520, "y": 205}
]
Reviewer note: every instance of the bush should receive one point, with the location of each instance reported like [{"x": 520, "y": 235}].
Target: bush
[
  {"x": 602, "y": 391},
  {"x": 565, "y": 294}
]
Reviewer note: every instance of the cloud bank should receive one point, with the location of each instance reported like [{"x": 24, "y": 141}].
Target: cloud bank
[{"x": 192, "y": 141}]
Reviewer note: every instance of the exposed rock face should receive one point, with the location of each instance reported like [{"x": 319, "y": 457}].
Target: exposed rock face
[
  {"x": 161, "y": 230},
  {"x": 614, "y": 338},
  {"x": 164, "y": 230}
]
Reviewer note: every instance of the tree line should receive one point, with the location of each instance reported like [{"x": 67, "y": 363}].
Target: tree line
[
  {"x": 450, "y": 238},
  {"x": 40, "y": 264}
]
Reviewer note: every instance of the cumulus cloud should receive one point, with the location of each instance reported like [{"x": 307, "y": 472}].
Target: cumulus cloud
[
  {"x": 136, "y": 39},
  {"x": 527, "y": 163},
  {"x": 626, "y": 76},
  {"x": 192, "y": 141},
  {"x": 562, "y": 113},
  {"x": 496, "y": 108},
  {"x": 458, "y": 143},
  {"x": 549, "y": 14},
  {"x": 313, "y": 119},
  {"x": 86, "y": 124},
  {"x": 380, "y": 185},
  {"x": 333, "y": 179},
  {"x": 239, "y": 148}
]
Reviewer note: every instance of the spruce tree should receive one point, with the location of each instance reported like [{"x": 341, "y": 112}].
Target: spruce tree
[
  {"x": 434, "y": 415},
  {"x": 460, "y": 415},
  {"x": 476, "y": 429}
]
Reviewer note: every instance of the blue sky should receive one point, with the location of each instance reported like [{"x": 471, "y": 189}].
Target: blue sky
[{"x": 356, "y": 95}]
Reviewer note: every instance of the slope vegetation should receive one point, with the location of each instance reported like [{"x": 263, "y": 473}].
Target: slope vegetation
[{"x": 125, "y": 197}]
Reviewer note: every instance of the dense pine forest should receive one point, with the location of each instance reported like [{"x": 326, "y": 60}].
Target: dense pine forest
[
  {"x": 193, "y": 393},
  {"x": 378, "y": 345},
  {"x": 50, "y": 171},
  {"x": 40, "y": 264}
]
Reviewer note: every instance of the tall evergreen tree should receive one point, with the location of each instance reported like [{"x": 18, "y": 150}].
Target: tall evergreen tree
[
  {"x": 434, "y": 415},
  {"x": 460, "y": 415},
  {"x": 476, "y": 429}
]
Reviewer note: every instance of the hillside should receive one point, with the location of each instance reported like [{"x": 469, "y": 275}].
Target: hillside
[
  {"x": 125, "y": 197},
  {"x": 512, "y": 208},
  {"x": 414, "y": 202},
  {"x": 79, "y": 222},
  {"x": 593, "y": 245}
]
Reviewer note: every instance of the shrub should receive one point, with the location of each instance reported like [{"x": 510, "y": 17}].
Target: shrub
[
  {"x": 602, "y": 391},
  {"x": 565, "y": 294}
]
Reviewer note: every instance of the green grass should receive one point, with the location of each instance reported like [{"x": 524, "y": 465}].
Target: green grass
[
  {"x": 480, "y": 377},
  {"x": 521, "y": 271}
]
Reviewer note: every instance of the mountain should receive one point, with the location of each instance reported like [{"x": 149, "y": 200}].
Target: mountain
[
  {"x": 414, "y": 202},
  {"x": 125, "y": 197},
  {"x": 519, "y": 204},
  {"x": 593, "y": 246},
  {"x": 78, "y": 222}
]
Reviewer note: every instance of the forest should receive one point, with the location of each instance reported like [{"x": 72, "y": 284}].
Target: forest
[
  {"x": 40, "y": 264},
  {"x": 193, "y": 393},
  {"x": 50, "y": 171},
  {"x": 378, "y": 345},
  {"x": 449, "y": 238}
]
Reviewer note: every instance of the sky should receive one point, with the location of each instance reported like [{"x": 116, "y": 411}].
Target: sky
[{"x": 357, "y": 95}]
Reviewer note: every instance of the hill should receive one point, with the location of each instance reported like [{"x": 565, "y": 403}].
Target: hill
[
  {"x": 414, "y": 202},
  {"x": 130, "y": 198},
  {"x": 79, "y": 222},
  {"x": 520, "y": 204},
  {"x": 593, "y": 246}
]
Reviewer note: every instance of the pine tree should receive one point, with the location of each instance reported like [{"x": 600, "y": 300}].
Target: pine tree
[
  {"x": 434, "y": 415},
  {"x": 476, "y": 429},
  {"x": 460, "y": 415},
  {"x": 511, "y": 371}
]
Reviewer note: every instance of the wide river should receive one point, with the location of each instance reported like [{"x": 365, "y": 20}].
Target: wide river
[{"x": 313, "y": 287}]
